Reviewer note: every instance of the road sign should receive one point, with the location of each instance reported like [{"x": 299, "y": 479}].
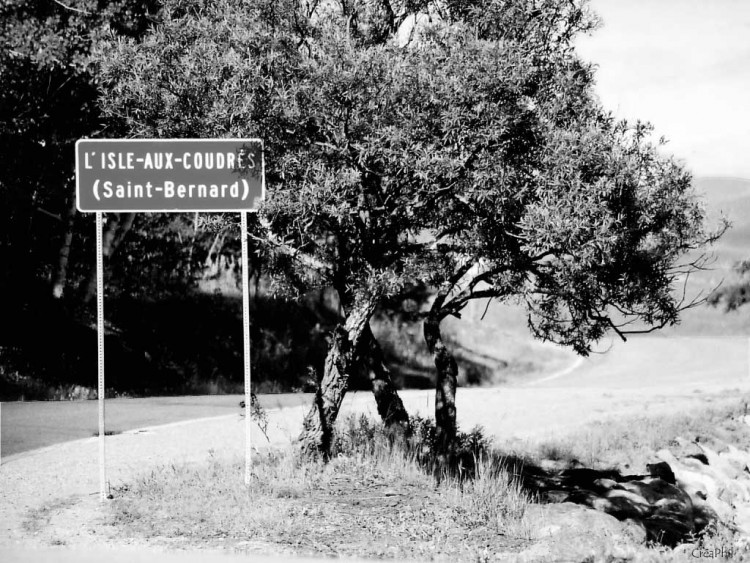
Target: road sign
[{"x": 169, "y": 174}]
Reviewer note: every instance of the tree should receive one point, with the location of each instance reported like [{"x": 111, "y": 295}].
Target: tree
[
  {"x": 280, "y": 71},
  {"x": 552, "y": 203},
  {"x": 47, "y": 102},
  {"x": 462, "y": 151},
  {"x": 735, "y": 294},
  {"x": 594, "y": 246},
  {"x": 556, "y": 205}
]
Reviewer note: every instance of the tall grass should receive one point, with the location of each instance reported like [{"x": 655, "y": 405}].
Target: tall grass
[
  {"x": 632, "y": 442},
  {"x": 377, "y": 489},
  {"x": 383, "y": 495},
  {"x": 494, "y": 497},
  {"x": 480, "y": 484}
]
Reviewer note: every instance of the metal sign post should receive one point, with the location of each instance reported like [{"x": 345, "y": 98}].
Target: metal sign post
[
  {"x": 100, "y": 353},
  {"x": 246, "y": 351},
  {"x": 169, "y": 175}
]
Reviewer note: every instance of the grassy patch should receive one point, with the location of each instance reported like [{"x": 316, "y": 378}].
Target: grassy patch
[
  {"x": 382, "y": 495},
  {"x": 374, "y": 500},
  {"x": 632, "y": 442},
  {"x": 38, "y": 519}
]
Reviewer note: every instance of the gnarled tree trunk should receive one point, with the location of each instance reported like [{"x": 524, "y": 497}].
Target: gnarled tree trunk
[
  {"x": 445, "y": 396},
  {"x": 390, "y": 407},
  {"x": 318, "y": 424}
]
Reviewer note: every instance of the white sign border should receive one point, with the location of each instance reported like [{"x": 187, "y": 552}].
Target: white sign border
[{"x": 175, "y": 210}]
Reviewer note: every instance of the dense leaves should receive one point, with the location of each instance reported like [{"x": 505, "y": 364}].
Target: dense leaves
[
  {"x": 47, "y": 102},
  {"x": 456, "y": 145},
  {"x": 408, "y": 144}
]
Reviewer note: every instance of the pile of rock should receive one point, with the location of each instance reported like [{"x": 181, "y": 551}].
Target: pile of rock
[
  {"x": 718, "y": 483},
  {"x": 673, "y": 503},
  {"x": 679, "y": 498}
]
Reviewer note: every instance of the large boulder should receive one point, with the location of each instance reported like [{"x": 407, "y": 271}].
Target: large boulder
[{"x": 571, "y": 532}]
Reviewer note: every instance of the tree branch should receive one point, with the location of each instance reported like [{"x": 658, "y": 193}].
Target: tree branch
[{"x": 71, "y": 8}]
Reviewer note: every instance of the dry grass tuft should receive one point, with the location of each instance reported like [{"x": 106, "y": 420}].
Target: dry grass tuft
[{"x": 632, "y": 443}]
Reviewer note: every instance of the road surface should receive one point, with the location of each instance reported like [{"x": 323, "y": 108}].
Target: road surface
[{"x": 36, "y": 424}]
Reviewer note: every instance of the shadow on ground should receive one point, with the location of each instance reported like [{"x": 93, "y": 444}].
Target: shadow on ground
[{"x": 653, "y": 502}]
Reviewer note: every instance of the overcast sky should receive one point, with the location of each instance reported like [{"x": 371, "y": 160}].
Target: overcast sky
[{"x": 683, "y": 65}]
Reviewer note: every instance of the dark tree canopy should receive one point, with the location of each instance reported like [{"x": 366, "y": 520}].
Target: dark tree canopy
[{"x": 47, "y": 102}]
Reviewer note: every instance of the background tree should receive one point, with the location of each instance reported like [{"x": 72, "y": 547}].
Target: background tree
[
  {"x": 736, "y": 293},
  {"x": 159, "y": 266},
  {"x": 47, "y": 102}
]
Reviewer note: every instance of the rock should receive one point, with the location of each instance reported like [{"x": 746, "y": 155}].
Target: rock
[
  {"x": 668, "y": 529},
  {"x": 550, "y": 465},
  {"x": 583, "y": 496},
  {"x": 655, "y": 489},
  {"x": 675, "y": 508},
  {"x": 742, "y": 520},
  {"x": 606, "y": 484},
  {"x": 743, "y": 488},
  {"x": 571, "y": 532},
  {"x": 738, "y": 459},
  {"x": 696, "y": 482},
  {"x": 700, "y": 456},
  {"x": 671, "y": 517},
  {"x": 688, "y": 447},
  {"x": 626, "y": 504},
  {"x": 635, "y": 530},
  {"x": 585, "y": 477},
  {"x": 734, "y": 491},
  {"x": 666, "y": 455},
  {"x": 662, "y": 470},
  {"x": 719, "y": 464},
  {"x": 555, "y": 496},
  {"x": 703, "y": 514},
  {"x": 684, "y": 551},
  {"x": 723, "y": 510}
]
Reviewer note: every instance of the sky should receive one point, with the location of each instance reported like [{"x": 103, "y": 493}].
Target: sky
[{"x": 683, "y": 65}]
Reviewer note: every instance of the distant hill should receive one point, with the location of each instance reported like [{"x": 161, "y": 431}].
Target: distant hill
[{"x": 730, "y": 196}]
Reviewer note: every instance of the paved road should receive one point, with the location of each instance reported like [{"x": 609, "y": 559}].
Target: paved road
[
  {"x": 36, "y": 424},
  {"x": 648, "y": 375}
]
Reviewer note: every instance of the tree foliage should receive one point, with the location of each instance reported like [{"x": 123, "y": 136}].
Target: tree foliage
[
  {"x": 456, "y": 144},
  {"x": 48, "y": 101}
]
